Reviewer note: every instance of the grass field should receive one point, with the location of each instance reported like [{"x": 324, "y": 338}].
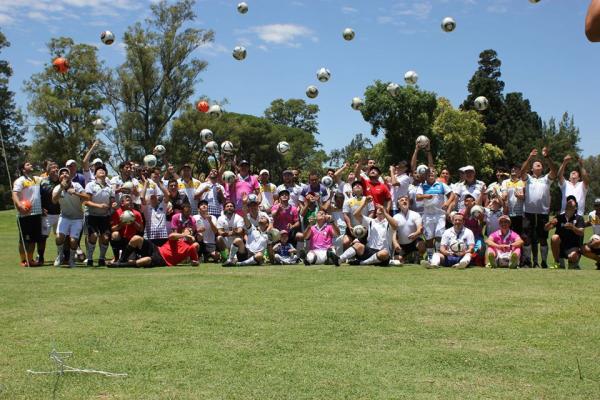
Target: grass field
[{"x": 299, "y": 332}]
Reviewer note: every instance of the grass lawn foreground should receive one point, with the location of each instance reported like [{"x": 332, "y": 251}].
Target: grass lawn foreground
[{"x": 298, "y": 332}]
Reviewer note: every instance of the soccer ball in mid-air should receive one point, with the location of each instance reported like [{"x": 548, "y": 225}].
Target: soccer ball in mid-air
[
  {"x": 423, "y": 170},
  {"x": 411, "y": 77},
  {"x": 477, "y": 212},
  {"x": 150, "y": 161},
  {"x": 323, "y": 75},
  {"x": 61, "y": 65},
  {"x": 160, "y": 150},
  {"x": 312, "y": 92},
  {"x": 242, "y": 8},
  {"x": 359, "y": 231},
  {"x": 99, "y": 124},
  {"x": 283, "y": 147},
  {"x": 227, "y": 147},
  {"x": 534, "y": 1},
  {"x": 211, "y": 147},
  {"x": 239, "y": 52},
  {"x": 448, "y": 24},
  {"x": 348, "y": 34},
  {"x": 327, "y": 181},
  {"x": 228, "y": 177},
  {"x": 481, "y": 103},
  {"x": 107, "y": 37},
  {"x": 202, "y": 106},
  {"x": 357, "y": 103},
  {"x": 393, "y": 89},
  {"x": 457, "y": 246},
  {"x": 422, "y": 142},
  {"x": 206, "y": 135},
  {"x": 215, "y": 110},
  {"x": 127, "y": 217}
]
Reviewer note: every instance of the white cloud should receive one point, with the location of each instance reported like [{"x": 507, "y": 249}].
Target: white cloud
[
  {"x": 384, "y": 19},
  {"x": 6, "y": 19},
  {"x": 36, "y": 63},
  {"x": 349, "y": 10},
  {"x": 283, "y": 34},
  {"x": 213, "y": 49},
  {"x": 419, "y": 9}
]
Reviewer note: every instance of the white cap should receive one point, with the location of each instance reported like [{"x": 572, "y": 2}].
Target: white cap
[
  {"x": 264, "y": 171},
  {"x": 96, "y": 161},
  {"x": 469, "y": 168},
  {"x": 70, "y": 162}
]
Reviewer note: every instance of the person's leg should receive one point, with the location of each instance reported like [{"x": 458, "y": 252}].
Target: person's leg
[
  {"x": 104, "y": 241},
  {"x": 60, "y": 242},
  {"x": 117, "y": 245},
  {"x": 464, "y": 262},
  {"x": 556, "y": 250},
  {"x": 92, "y": 239},
  {"x": 352, "y": 251},
  {"x": 237, "y": 245},
  {"x": 491, "y": 257},
  {"x": 378, "y": 257},
  {"x": 515, "y": 258},
  {"x": 543, "y": 239},
  {"x": 573, "y": 257}
]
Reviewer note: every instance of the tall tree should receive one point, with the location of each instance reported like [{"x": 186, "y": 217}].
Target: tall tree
[
  {"x": 157, "y": 79},
  {"x": 65, "y": 105},
  {"x": 294, "y": 113},
  {"x": 11, "y": 127},
  {"x": 400, "y": 118}
]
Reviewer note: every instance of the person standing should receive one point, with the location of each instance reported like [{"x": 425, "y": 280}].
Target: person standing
[
  {"x": 577, "y": 185},
  {"x": 97, "y": 219},
  {"x": 51, "y": 211}
]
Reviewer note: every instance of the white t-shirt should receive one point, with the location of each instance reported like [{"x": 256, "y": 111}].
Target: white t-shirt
[
  {"x": 415, "y": 205},
  {"x": 579, "y": 190},
  {"x": 407, "y": 225},
  {"x": 208, "y": 235},
  {"x": 29, "y": 189},
  {"x": 338, "y": 217},
  {"x": 100, "y": 195},
  {"x": 70, "y": 204},
  {"x": 511, "y": 188},
  {"x": 117, "y": 182},
  {"x": 595, "y": 221},
  {"x": 404, "y": 181},
  {"x": 189, "y": 188},
  {"x": 257, "y": 240},
  {"x": 378, "y": 237},
  {"x": 229, "y": 224},
  {"x": 475, "y": 189},
  {"x": 465, "y": 235},
  {"x": 537, "y": 194}
]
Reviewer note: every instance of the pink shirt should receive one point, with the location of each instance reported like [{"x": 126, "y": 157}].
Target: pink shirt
[
  {"x": 321, "y": 239},
  {"x": 498, "y": 238},
  {"x": 285, "y": 216},
  {"x": 178, "y": 224},
  {"x": 243, "y": 186}
]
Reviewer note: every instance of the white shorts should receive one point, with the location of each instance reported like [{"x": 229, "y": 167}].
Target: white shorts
[
  {"x": 49, "y": 224},
  {"x": 434, "y": 225},
  {"x": 69, "y": 227},
  {"x": 320, "y": 254}
]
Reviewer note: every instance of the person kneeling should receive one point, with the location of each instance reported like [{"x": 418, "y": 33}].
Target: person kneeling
[
  {"x": 456, "y": 247},
  {"x": 376, "y": 251},
  {"x": 568, "y": 236},
  {"x": 250, "y": 253},
  {"x": 504, "y": 246},
  {"x": 177, "y": 249}
]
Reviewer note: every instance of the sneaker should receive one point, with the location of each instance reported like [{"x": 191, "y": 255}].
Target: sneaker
[
  {"x": 79, "y": 255},
  {"x": 228, "y": 263},
  {"x": 101, "y": 262},
  {"x": 302, "y": 256},
  {"x": 536, "y": 265},
  {"x": 354, "y": 262},
  {"x": 428, "y": 265},
  {"x": 58, "y": 261},
  {"x": 514, "y": 261},
  {"x": 526, "y": 264},
  {"x": 39, "y": 261},
  {"x": 89, "y": 262},
  {"x": 461, "y": 265},
  {"x": 555, "y": 266},
  {"x": 544, "y": 264},
  {"x": 333, "y": 257},
  {"x": 395, "y": 262},
  {"x": 488, "y": 265},
  {"x": 72, "y": 263},
  {"x": 491, "y": 260}
]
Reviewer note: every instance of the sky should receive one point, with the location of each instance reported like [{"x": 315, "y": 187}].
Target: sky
[{"x": 543, "y": 48}]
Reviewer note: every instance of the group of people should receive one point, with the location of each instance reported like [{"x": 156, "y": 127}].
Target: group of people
[{"x": 153, "y": 216}]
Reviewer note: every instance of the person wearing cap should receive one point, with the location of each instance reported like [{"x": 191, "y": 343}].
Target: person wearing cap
[
  {"x": 577, "y": 185},
  {"x": 472, "y": 186},
  {"x": 154, "y": 209},
  {"x": 267, "y": 191},
  {"x": 230, "y": 226},
  {"x": 207, "y": 232},
  {"x": 121, "y": 232},
  {"x": 283, "y": 251},
  {"x": 358, "y": 200},
  {"x": 286, "y": 216},
  {"x": 97, "y": 215},
  {"x": 475, "y": 223},
  {"x": 513, "y": 196},
  {"x": 289, "y": 185},
  {"x": 77, "y": 177},
  {"x": 88, "y": 170},
  {"x": 188, "y": 185},
  {"x": 536, "y": 207},
  {"x": 503, "y": 246},
  {"x": 71, "y": 196},
  {"x": 374, "y": 187},
  {"x": 568, "y": 236},
  {"x": 252, "y": 251},
  {"x": 213, "y": 192},
  {"x": 456, "y": 246},
  {"x": 314, "y": 186}
]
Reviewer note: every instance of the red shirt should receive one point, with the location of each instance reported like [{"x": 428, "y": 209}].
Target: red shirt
[
  {"x": 127, "y": 231},
  {"x": 176, "y": 251},
  {"x": 379, "y": 191}
]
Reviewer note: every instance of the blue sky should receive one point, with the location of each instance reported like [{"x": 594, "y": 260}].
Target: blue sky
[{"x": 542, "y": 46}]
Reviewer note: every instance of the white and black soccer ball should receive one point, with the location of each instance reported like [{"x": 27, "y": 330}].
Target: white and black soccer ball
[
  {"x": 477, "y": 211},
  {"x": 242, "y": 8},
  {"x": 127, "y": 187},
  {"x": 160, "y": 150},
  {"x": 423, "y": 170},
  {"x": 422, "y": 142},
  {"x": 534, "y": 1},
  {"x": 228, "y": 177},
  {"x": 411, "y": 77},
  {"x": 457, "y": 246},
  {"x": 211, "y": 147},
  {"x": 359, "y": 231},
  {"x": 239, "y": 52},
  {"x": 327, "y": 181},
  {"x": 273, "y": 235},
  {"x": 215, "y": 110},
  {"x": 348, "y": 34},
  {"x": 99, "y": 124},
  {"x": 150, "y": 161},
  {"x": 227, "y": 147},
  {"x": 323, "y": 75},
  {"x": 107, "y": 37},
  {"x": 448, "y": 24},
  {"x": 481, "y": 103},
  {"x": 283, "y": 147},
  {"x": 252, "y": 198},
  {"x": 312, "y": 91},
  {"x": 503, "y": 260},
  {"x": 393, "y": 89},
  {"x": 206, "y": 135},
  {"x": 127, "y": 217},
  {"x": 357, "y": 103}
]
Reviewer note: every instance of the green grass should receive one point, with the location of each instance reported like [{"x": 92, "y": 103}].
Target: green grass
[{"x": 298, "y": 332}]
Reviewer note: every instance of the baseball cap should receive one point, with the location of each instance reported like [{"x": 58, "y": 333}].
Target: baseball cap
[
  {"x": 71, "y": 162},
  {"x": 186, "y": 165},
  {"x": 571, "y": 197},
  {"x": 504, "y": 218},
  {"x": 469, "y": 195},
  {"x": 283, "y": 232},
  {"x": 375, "y": 167},
  {"x": 597, "y": 201},
  {"x": 244, "y": 162},
  {"x": 283, "y": 191},
  {"x": 264, "y": 171},
  {"x": 469, "y": 168},
  {"x": 356, "y": 183},
  {"x": 100, "y": 167},
  {"x": 288, "y": 172},
  {"x": 97, "y": 161},
  {"x": 60, "y": 171}
]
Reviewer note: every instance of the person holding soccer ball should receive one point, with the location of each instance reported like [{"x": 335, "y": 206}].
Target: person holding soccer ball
[
  {"x": 456, "y": 247},
  {"x": 504, "y": 246}
]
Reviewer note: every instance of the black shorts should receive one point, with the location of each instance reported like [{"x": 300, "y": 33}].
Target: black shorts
[
  {"x": 241, "y": 257},
  {"x": 97, "y": 225},
  {"x": 30, "y": 227},
  {"x": 149, "y": 249},
  {"x": 410, "y": 247},
  {"x": 159, "y": 242},
  {"x": 533, "y": 226},
  {"x": 516, "y": 224},
  {"x": 371, "y": 252},
  {"x": 567, "y": 248}
]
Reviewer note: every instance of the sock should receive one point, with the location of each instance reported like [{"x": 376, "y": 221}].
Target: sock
[
  {"x": 126, "y": 253},
  {"x": 348, "y": 254},
  {"x": 90, "y": 250},
  {"x": 277, "y": 258},
  {"x": 430, "y": 252},
  {"x": 250, "y": 261},
  {"x": 437, "y": 244},
  {"x": 59, "y": 249},
  {"x": 232, "y": 252},
  {"x": 72, "y": 255},
  {"x": 466, "y": 260},
  {"x": 544, "y": 251},
  {"x": 371, "y": 260},
  {"x": 116, "y": 246},
  {"x": 527, "y": 252},
  {"x": 103, "y": 249},
  {"x": 435, "y": 259}
]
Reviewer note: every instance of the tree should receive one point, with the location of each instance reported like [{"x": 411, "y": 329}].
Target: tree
[
  {"x": 294, "y": 113},
  {"x": 400, "y": 118},
  {"x": 156, "y": 80},
  {"x": 359, "y": 148},
  {"x": 65, "y": 105},
  {"x": 11, "y": 128}
]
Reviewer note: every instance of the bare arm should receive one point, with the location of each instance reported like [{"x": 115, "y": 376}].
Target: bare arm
[
  {"x": 551, "y": 164},
  {"x": 584, "y": 174},
  {"x": 88, "y": 155},
  {"x": 562, "y": 168},
  {"x": 337, "y": 176},
  {"x": 526, "y": 164},
  {"x": 592, "y": 22},
  {"x": 393, "y": 223},
  {"x": 413, "y": 160}
]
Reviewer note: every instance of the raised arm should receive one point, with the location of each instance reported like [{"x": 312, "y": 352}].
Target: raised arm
[
  {"x": 88, "y": 155},
  {"x": 527, "y": 164},
  {"x": 592, "y": 22},
  {"x": 393, "y": 223},
  {"x": 584, "y": 174},
  {"x": 551, "y": 164},
  {"x": 413, "y": 159},
  {"x": 337, "y": 176}
]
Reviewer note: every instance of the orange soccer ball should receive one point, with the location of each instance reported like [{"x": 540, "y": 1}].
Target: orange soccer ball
[
  {"x": 60, "y": 65},
  {"x": 202, "y": 106},
  {"x": 26, "y": 205}
]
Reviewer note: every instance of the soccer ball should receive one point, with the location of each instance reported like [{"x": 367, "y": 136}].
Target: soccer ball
[
  {"x": 393, "y": 89},
  {"x": 61, "y": 65},
  {"x": 448, "y": 24},
  {"x": 127, "y": 217},
  {"x": 202, "y": 106},
  {"x": 127, "y": 187},
  {"x": 150, "y": 161},
  {"x": 227, "y": 147},
  {"x": 457, "y": 246},
  {"x": 273, "y": 235},
  {"x": 252, "y": 198},
  {"x": 534, "y": 1},
  {"x": 283, "y": 147},
  {"x": 211, "y": 147},
  {"x": 422, "y": 170},
  {"x": 160, "y": 150},
  {"x": 206, "y": 135},
  {"x": 107, "y": 37},
  {"x": 348, "y": 34},
  {"x": 359, "y": 231},
  {"x": 215, "y": 110},
  {"x": 228, "y": 177},
  {"x": 411, "y": 77},
  {"x": 503, "y": 260},
  {"x": 594, "y": 238},
  {"x": 327, "y": 181},
  {"x": 242, "y": 8},
  {"x": 239, "y": 53},
  {"x": 99, "y": 124},
  {"x": 476, "y": 211},
  {"x": 312, "y": 92},
  {"x": 422, "y": 142},
  {"x": 323, "y": 75},
  {"x": 481, "y": 103},
  {"x": 357, "y": 103},
  {"x": 26, "y": 205}
]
